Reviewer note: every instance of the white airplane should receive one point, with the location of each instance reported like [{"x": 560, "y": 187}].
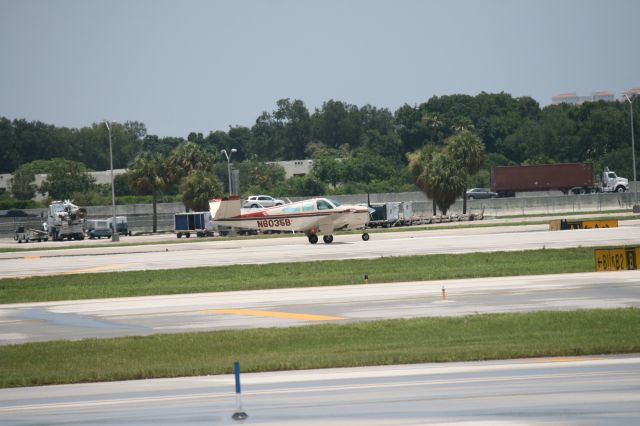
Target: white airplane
[{"x": 312, "y": 216}]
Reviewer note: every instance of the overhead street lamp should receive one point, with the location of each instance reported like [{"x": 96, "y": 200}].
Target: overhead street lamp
[
  {"x": 228, "y": 155},
  {"x": 636, "y": 206},
  {"x": 114, "y": 233}
]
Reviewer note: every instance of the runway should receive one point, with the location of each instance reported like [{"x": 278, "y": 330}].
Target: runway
[
  {"x": 102, "y": 318},
  {"x": 564, "y": 391},
  {"x": 602, "y": 390},
  {"x": 292, "y": 249}
]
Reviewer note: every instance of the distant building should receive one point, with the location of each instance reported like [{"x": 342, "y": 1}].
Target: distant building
[
  {"x": 633, "y": 91},
  {"x": 101, "y": 178},
  {"x": 295, "y": 168},
  {"x": 603, "y": 95},
  {"x": 573, "y": 99}
]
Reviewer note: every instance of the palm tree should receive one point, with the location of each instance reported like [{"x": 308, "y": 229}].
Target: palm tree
[
  {"x": 147, "y": 174},
  {"x": 468, "y": 149},
  {"x": 418, "y": 167},
  {"x": 433, "y": 122},
  {"x": 447, "y": 178},
  {"x": 198, "y": 188},
  {"x": 186, "y": 158},
  {"x": 442, "y": 173}
]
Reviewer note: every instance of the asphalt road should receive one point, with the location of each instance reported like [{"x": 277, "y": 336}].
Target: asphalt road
[
  {"x": 255, "y": 251},
  {"x": 601, "y": 390},
  {"x": 72, "y": 320}
]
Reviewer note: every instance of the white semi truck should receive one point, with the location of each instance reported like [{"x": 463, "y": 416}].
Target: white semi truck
[{"x": 65, "y": 220}]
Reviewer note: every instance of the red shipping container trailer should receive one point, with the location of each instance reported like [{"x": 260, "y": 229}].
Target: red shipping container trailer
[{"x": 507, "y": 180}]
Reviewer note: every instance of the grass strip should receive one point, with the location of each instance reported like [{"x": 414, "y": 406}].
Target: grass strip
[
  {"x": 475, "y": 337},
  {"x": 297, "y": 274}
]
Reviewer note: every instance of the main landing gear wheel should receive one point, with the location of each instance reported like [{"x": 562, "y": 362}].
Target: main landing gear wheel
[
  {"x": 365, "y": 237},
  {"x": 313, "y": 238},
  {"x": 328, "y": 239}
]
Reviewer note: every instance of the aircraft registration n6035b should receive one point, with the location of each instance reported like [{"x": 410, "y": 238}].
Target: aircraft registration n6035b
[{"x": 313, "y": 216}]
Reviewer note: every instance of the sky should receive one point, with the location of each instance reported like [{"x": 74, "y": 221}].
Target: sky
[{"x": 205, "y": 65}]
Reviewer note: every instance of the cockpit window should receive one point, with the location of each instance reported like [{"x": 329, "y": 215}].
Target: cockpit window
[
  {"x": 334, "y": 202},
  {"x": 323, "y": 205},
  {"x": 293, "y": 208}
]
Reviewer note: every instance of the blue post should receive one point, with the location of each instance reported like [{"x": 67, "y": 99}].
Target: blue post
[
  {"x": 236, "y": 370},
  {"x": 239, "y": 414}
]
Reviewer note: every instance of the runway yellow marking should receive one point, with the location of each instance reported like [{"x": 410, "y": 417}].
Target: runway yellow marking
[
  {"x": 273, "y": 314},
  {"x": 112, "y": 267},
  {"x": 18, "y": 321},
  {"x": 32, "y": 257}
]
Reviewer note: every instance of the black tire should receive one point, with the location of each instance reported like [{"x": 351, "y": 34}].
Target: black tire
[
  {"x": 313, "y": 239},
  {"x": 471, "y": 197},
  {"x": 365, "y": 237},
  {"x": 187, "y": 235},
  {"x": 328, "y": 239},
  {"x": 620, "y": 189},
  {"x": 179, "y": 235}
]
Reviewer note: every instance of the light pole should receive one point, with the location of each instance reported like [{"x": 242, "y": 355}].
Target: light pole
[
  {"x": 228, "y": 155},
  {"x": 636, "y": 206},
  {"x": 114, "y": 232}
]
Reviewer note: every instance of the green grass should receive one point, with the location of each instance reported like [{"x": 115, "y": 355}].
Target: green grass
[
  {"x": 476, "y": 337},
  {"x": 289, "y": 275}
]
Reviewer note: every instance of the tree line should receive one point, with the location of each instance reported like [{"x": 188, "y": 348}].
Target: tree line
[{"x": 355, "y": 149}]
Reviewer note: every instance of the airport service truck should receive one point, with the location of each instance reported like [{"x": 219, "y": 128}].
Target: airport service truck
[
  {"x": 65, "y": 220},
  {"x": 570, "y": 178}
]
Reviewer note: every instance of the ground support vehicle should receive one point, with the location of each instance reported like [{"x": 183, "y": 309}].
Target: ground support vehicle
[
  {"x": 122, "y": 226},
  {"x": 576, "y": 178},
  {"x": 98, "y": 228},
  {"x": 26, "y": 235},
  {"x": 197, "y": 223},
  {"x": 393, "y": 213},
  {"x": 65, "y": 220}
]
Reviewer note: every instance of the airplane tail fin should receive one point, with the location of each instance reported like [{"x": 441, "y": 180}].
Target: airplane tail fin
[{"x": 221, "y": 208}]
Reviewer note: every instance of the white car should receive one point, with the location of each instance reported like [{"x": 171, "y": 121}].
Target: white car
[{"x": 258, "y": 201}]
